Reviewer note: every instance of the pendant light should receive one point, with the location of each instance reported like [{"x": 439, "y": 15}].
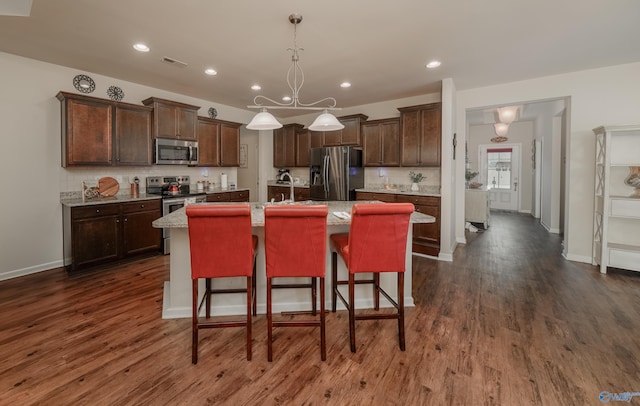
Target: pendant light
[{"x": 295, "y": 78}]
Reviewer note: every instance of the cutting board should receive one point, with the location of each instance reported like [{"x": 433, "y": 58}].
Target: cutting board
[{"x": 108, "y": 186}]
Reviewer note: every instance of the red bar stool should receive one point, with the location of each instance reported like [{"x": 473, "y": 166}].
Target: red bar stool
[
  {"x": 376, "y": 242},
  {"x": 221, "y": 246},
  {"x": 295, "y": 238}
]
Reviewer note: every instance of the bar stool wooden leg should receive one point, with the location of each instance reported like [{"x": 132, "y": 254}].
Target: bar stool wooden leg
[
  {"x": 401, "y": 309},
  {"x": 194, "y": 322},
  {"x": 323, "y": 339},
  {"x": 376, "y": 291},
  {"x": 314, "y": 296},
  {"x": 208, "y": 297},
  {"x": 269, "y": 323},
  {"x": 334, "y": 280},
  {"x": 253, "y": 286},
  {"x": 352, "y": 312}
]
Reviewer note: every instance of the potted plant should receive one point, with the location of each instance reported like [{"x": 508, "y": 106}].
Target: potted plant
[
  {"x": 469, "y": 175},
  {"x": 415, "y": 179}
]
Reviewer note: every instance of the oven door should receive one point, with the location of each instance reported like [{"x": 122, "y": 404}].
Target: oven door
[{"x": 168, "y": 207}]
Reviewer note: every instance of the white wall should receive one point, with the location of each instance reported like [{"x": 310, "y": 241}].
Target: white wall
[
  {"x": 31, "y": 214},
  {"x": 606, "y": 96}
]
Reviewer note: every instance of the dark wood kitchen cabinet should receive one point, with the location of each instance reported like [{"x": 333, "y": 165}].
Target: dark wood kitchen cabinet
[
  {"x": 106, "y": 233},
  {"x": 284, "y": 146},
  {"x": 218, "y": 142},
  {"x": 420, "y": 129},
  {"x": 100, "y": 132},
  {"x": 232, "y": 196},
  {"x": 349, "y": 135},
  {"x": 277, "y": 192},
  {"x": 305, "y": 140},
  {"x": 172, "y": 119},
  {"x": 426, "y": 236},
  {"x": 381, "y": 142}
]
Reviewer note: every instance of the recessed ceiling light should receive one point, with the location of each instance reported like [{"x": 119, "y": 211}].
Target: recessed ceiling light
[
  {"x": 210, "y": 71},
  {"x": 345, "y": 84},
  {"x": 141, "y": 47},
  {"x": 433, "y": 64},
  {"x": 286, "y": 98},
  {"x": 256, "y": 87}
]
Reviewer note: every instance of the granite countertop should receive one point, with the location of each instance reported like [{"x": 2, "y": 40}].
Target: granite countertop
[
  {"x": 275, "y": 183},
  {"x": 76, "y": 200},
  {"x": 424, "y": 191},
  {"x": 178, "y": 219}
]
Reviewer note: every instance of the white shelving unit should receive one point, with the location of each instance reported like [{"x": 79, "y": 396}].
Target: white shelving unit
[{"x": 616, "y": 217}]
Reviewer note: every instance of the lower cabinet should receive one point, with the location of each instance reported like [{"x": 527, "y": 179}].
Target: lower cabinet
[
  {"x": 426, "y": 237},
  {"x": 278, "y": 192},
  {"x": 105, "y": 233},
  {"x": 236, "y": 196}
]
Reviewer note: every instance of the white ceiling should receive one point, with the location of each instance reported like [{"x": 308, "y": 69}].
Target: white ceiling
[{"x": 380, "y": 47}]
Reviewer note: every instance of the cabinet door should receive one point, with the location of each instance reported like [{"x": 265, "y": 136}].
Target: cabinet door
[
  {"x": 133, "y": 135},
  {"x": 332, "y": 138},
  {"x": 208, "y": 143},
  {"x": 371, "y": 145},
  {"x": 187, "y": 120},
  {"x": 350, "y": 134},
  {"x": 303, "y": 144},
  {"x": 229, "y": 145},
  {"x": 95, "y": 240},
  {"x": 87, "y": 131},
  {"x": 301, "y": 194},
  {"x": 278, "y": 192},
  {"x": 410, "y": 142},
  {"x": 284, "y": 146},
  {"x": 239, "y": 196},
  {"x": 390, "y": 140},
  {"x": 139, "y": 235},
  {"x": 430, "y": 137},
  {"x": 165, "y": 121}
]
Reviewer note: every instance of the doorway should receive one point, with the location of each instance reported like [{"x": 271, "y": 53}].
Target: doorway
[{"x": 499, "y": 169}]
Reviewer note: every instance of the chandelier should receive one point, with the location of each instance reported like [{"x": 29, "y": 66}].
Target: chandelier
[{"x": 295, "y": 79}]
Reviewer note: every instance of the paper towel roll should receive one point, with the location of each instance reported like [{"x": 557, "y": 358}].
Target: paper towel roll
[{"x": 223, "y": 181}]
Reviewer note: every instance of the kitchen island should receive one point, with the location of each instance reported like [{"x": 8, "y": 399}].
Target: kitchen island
[{"x": 177, "y": 290}]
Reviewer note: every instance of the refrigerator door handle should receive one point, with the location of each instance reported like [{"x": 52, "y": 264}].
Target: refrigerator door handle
[{"x": 326, "y": 174}]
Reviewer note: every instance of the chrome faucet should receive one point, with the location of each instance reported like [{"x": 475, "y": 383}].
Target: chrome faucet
[{"x": 291, "y": 184}]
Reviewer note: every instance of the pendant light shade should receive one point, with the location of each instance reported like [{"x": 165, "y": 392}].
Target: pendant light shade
[
  {"x": 264, "y": 121},
  {"x": 501, "y": 129},
  {"x": 326, "y": 122},
  {"x": 508, "y": 114}
]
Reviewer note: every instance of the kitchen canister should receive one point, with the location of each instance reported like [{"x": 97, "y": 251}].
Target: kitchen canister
[{"x": 223, "y": 181}]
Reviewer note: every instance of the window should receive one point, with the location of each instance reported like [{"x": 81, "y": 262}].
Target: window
[{"x": 499, "y": 168}]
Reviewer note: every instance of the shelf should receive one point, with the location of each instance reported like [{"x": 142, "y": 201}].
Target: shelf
[{"x": 624, "y": 256}]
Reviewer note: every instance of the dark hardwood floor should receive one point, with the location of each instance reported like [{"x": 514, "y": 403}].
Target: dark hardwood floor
[{"x": 508, "y": 322}]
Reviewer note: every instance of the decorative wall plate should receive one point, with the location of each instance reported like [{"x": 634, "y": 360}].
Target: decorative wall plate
[
  {"x": 499, "y": 139},
  {"x": 213, "y": 113},
  {"x": 84, "y": 84},
  {"x": 115, "y": 93}
]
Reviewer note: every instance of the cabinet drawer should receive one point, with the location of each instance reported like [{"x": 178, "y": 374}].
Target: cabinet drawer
[
  {"x": 419, "y": 200},
  {"x": 383, "y": 197},
  {"x": 625, "y": 208},
  {"x": 97, "y": 210},
  {"x": 239, "y": 196},
  {"x": 146, "y": 205},
  {"x": 218, "y": 197}
]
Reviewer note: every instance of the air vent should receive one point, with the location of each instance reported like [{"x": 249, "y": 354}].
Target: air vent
[{"x": 173, "y": 62}]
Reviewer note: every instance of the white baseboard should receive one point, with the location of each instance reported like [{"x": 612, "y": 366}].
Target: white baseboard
[
  {"x": 578, "y": 258},
  {"x": 30, "y": 270}
]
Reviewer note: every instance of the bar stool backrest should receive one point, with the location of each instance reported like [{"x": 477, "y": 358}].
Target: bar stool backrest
[
  {"x": 378, "y": 237},
  {"x": 220, "y": 240},
  {"x": 296, "y": 240}
]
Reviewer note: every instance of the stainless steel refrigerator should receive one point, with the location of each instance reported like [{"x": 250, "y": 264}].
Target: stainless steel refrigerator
[{"x": 335, "y": 173}]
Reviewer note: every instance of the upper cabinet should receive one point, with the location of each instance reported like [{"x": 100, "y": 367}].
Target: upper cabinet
[
  {"x": 381, "y": 142},
  {"x": 420, "y": 129},
  {"x": 103, "y": 132},
  {"x": 349, "y": 135},
  {"x": 305, "y": 140},
  {"x": 218, "y": 142},
  {"x": 284, "y": 145},
  {"x": 172, "y": 119}
]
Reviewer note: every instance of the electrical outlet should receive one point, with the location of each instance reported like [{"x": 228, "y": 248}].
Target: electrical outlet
[
  {"x": 204, "y": 172},
  {"x": 382, "y": 172}
]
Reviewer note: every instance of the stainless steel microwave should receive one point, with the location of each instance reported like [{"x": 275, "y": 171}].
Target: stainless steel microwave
[{"x": 175, "y": 152}]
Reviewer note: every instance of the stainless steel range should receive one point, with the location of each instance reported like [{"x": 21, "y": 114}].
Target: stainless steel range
[{"x": 175, "y": 190}]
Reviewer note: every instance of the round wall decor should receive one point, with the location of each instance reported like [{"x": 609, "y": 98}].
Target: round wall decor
[
  {"x": 213, "y": 113},
  {"x": 115, "y": 93},
  {"x": 84, "y": 84}
]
